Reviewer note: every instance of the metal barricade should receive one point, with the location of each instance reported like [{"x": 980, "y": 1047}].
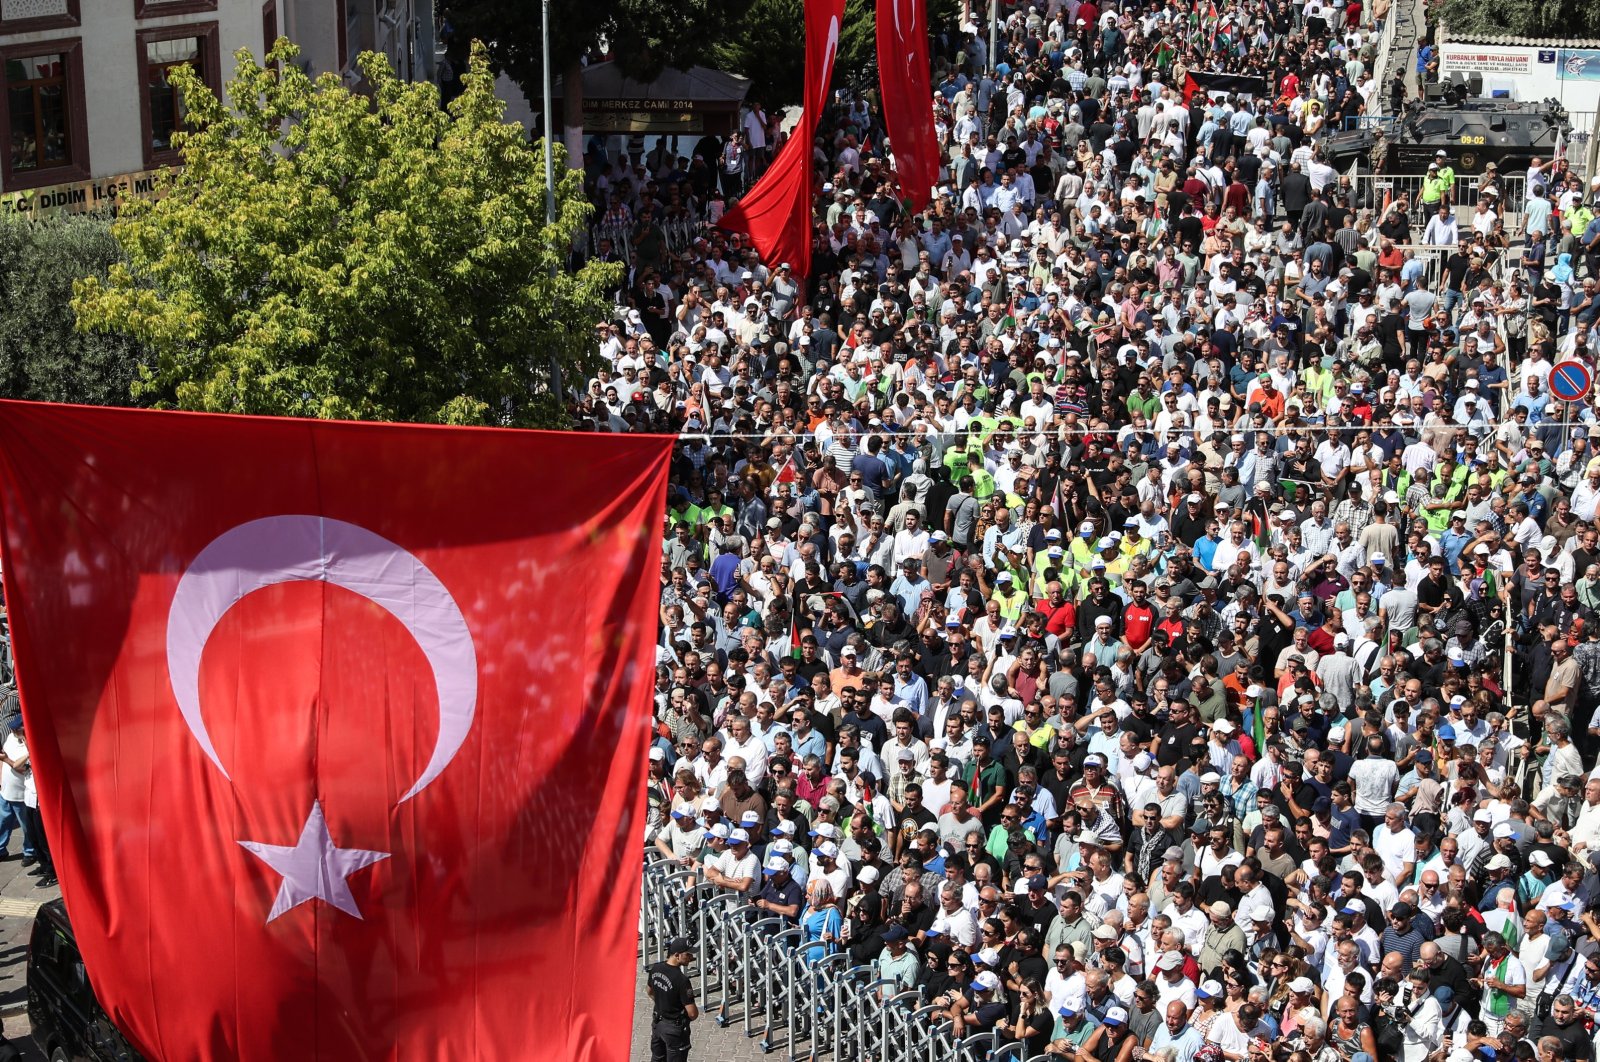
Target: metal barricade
[
  {"x": 979, "y": 1046},
  {"x": 822, "y": 1014},
  {"x": 942, "y": 1044},
  {"x": 1377, "y": 188},
  {"x": 1381, "y": 58},
  {"x": 713, "y": 913},
  {"x": 753, "y": 971},
  {"x": 920, "y": 1028},
  {"x": 790, "y": 988},
  {"x": 759, "y": 978}
]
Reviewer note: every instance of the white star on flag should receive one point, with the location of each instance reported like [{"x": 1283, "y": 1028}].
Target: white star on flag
[{"x": 314, "y": 868}]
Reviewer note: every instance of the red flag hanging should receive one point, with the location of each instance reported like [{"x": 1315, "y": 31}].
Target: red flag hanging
[
  {"x": 339, "y": 729},
  {"x": 907, "y": 91},
  {"x": 776, "y": 212}
]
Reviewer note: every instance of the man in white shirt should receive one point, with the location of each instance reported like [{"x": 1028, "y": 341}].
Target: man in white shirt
[
  {"x": 1395, "y": 842},
  {"x": 1171, "y": 985},
  {"x": 16, "y": 774},
  {"x": 1187, "y": 918},
  {"x": 1347, "y": 959},
  {"x": 911, "y": 541},
  {"x": 954, "y": 920},
  {"x": 1374, "y": 778},
  {"x": 737, "y": 867},
  {"x": 1504, "y": 982},
  {"x": 747, "y": 748},
  {"x": 1534, "y": 954}
]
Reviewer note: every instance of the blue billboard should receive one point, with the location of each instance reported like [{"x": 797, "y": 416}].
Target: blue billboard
[{"x": 1579, "y": 64}]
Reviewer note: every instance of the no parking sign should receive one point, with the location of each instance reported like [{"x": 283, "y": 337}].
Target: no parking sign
[{"x": 1570, "y": 381}]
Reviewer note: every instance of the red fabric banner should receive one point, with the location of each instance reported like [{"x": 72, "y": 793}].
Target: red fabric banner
[
  {"x": 339, "y": 729},
  {"x": 907, "y": 91},
  {"x": 776, "y": 212}
]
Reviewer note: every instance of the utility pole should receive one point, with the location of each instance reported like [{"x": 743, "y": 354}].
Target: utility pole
[
  {"x": 549, "y": 136},
  {"x": 550, "y": 174},
  {"x": 994, "y": 37}
]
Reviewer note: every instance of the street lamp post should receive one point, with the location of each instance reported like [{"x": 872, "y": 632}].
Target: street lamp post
[
  {"x": 994, "y": 36},
  {"x": 550, "y": 174},
  {"x": 549, "y": 135}
]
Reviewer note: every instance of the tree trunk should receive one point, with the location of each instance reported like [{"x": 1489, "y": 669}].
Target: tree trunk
[{"x": 572, "y": 113}]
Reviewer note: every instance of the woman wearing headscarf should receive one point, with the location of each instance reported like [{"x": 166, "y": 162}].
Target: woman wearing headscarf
[
  {"x": 866, "y": 928},
  {"x": 820, "y": 923}
]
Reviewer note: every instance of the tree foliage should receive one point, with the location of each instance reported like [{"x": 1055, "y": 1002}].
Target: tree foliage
[
  {"x": 645, "y": 36},
  {"x": 1551, "y": 19},
  {"x": 42, "y": 355},
  {"x": 768, "y": 51},
  {"x": 325, "y": 253}
]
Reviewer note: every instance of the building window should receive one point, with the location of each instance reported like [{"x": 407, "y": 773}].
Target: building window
[
  {"x": 143, "y": 9},
  {"x": 26, "y": 16},
  {"x": 161, "y": 53},
  {"x": 161, "y": 59},
  {"x": 36, "y": 97},
  {"x": 44, "y": 126},
  {"x": 269, "y": 27},
  {"x": 351, "y": 38}
]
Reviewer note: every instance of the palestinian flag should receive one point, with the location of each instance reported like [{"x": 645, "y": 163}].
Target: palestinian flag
[{"x": 1260, "y": 529}]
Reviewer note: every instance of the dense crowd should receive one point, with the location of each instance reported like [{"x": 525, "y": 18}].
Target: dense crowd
[{"x": 1139, "y": 600}]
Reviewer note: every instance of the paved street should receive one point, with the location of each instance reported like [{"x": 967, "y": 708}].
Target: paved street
[
  {"x": 711, "y": 1044},
  {"x": 19, "y": 899}
]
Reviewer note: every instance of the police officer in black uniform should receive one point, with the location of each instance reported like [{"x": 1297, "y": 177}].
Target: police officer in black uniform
[{"x": 672, "y": 996}]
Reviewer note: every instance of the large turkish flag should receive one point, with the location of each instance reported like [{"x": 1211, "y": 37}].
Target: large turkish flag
[
  {"x": 339, "y": 729},
  {"x": 776, "y": 212},
  {"x": 905, "y": 82}
]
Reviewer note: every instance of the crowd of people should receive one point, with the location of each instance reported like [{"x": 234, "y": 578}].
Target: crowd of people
[{"x": 1135, "y": 601}]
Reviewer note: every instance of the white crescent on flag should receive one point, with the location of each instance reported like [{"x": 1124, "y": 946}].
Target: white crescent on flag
[
  {"x": 282, "y": 549},
  {"x": 827, "y": 63}
]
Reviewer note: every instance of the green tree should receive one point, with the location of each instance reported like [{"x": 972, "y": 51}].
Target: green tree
[
  {"x": 42, "y": 354},
  {"x": 644, "y": 36},
  {"x": 768, "y": 51},
  {"x": 324, "y": 253},
  {"x": 1547, "y": 19}
]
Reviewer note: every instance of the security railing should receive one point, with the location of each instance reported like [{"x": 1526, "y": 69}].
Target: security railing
[
  {"x": 751, "y": 971},
  {"x": 1382, "y": 58},
  {"x": 677, "y": 236},
  {"x": 1378, "y": 189}
]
